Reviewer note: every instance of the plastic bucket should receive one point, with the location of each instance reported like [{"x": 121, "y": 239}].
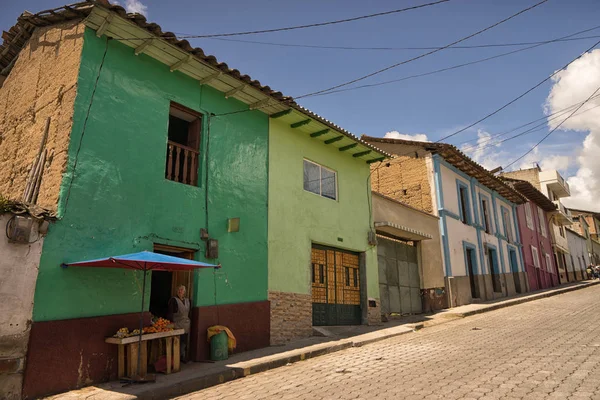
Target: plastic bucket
[{"x": 218, "y": 347}]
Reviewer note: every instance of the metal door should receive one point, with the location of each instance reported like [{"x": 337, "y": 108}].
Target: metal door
[
  {"x": 399, "y": 279},
  {"x": 335, "y": 287}
]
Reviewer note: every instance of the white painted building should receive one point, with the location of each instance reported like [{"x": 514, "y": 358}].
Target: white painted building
[
  {"x": 478, "y": 224},
  {"x": 21, "y": 244},
  {"x": 578, "y": 258}
]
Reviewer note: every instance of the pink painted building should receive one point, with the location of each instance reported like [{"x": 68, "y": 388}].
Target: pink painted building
[{"x": 536, "y": 235}]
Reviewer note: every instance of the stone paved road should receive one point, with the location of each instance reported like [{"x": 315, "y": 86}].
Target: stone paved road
[{"x": 548, "y": 348}]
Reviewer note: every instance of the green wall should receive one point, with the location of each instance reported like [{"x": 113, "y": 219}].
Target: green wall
[
  {"x": 298, "y": 218},
  {"x": 119, "y": 201}
]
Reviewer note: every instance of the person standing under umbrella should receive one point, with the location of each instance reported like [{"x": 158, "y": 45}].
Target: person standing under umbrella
[{"x": 179, "y": 313}]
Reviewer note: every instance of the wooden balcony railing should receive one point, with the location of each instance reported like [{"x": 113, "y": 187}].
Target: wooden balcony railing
[{"x": 182, "y": 164}]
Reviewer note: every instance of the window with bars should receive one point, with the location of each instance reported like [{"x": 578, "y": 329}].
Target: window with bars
[
  {"x": 318, "y": 273},
  {"x": 183, "y": 145},
  {"x": 320, "y": 180}
]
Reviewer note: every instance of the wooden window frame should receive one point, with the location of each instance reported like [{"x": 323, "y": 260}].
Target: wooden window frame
[
  {"x": 548, "y": 263},
  {"x": 542, "y": 222},
  {"x": 536, "y": 256},
  {"x": 464, "y": 205},
  {"x": 190, "y": 152},
  {"x": 529, "y": 216}
]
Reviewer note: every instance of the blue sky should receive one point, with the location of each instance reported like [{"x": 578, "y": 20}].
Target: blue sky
[{"x": 433, "y": 105}]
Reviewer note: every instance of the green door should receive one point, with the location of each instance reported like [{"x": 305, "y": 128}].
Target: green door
[
  {"x": 399, "y": 278},
  {"x": 335, "y": 287}
]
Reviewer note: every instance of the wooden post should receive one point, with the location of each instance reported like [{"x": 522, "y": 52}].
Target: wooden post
[
  {"x": 170, "y": 163},
  {"x": 185, "y": 166},
  {"x": 132, "y": 358},
  {"x": 177, "y": 158},
  {"x": 38, "y": 178},
  {"x": 121, "y": 361},
  {"x": 169, "y": 346},
  {"x": 176, "y": 354},
  {"x": 30, "y": 187},
  {"x": 144, "y": 366}
]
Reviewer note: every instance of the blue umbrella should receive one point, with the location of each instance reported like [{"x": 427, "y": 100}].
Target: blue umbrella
[{"x": 143, "y": 261}]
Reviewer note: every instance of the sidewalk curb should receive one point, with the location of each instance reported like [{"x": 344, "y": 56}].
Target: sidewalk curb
[
  {"x": 522, "y": 300},
  {"x": 227, "y": 374}
]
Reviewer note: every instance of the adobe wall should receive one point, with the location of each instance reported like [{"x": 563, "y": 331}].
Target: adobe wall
[
  {"x": 531, "y": 175},
  {"x": 406, "y": 180},
  {"x": 41, "y": 84}
]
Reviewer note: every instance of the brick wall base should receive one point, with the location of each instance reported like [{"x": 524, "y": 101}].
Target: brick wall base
[
  {"x": 291, "y": 316},
  {"x": 374, "y": 313}
]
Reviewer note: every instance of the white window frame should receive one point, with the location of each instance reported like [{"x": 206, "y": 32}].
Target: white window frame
[
  {"x": 321, "y": 168},
  {"x": 536, "y": 256},
  {"x": 542, "y": 222},
  {"x": 548, "y": 263},
  {"x": 529, "y": 216}
]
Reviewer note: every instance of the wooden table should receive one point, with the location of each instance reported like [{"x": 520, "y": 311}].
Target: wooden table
[{"x": 132, "y": 347}]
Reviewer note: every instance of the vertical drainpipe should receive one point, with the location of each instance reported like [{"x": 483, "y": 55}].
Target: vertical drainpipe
[{"x": 437, "y": 176}]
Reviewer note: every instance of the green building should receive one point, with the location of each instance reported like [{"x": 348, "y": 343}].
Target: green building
[{"x": 153, "y": 145}]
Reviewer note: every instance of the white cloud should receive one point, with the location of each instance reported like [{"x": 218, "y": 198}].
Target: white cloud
[
  {"x": 485, "y": 152},
  {"x": 559, "y": 163},
  {"x": 135, "y": 6},
  {"x": 419, "y": 137},
  {"x": 576, "y": 84},
  {"x": 490, "y": 152}
]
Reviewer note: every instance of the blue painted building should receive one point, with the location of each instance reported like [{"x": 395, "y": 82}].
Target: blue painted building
[{"x": 481, "y": 247}]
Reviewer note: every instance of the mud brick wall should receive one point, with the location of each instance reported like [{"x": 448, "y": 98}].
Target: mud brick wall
[
  {"x": 291, "y": 316},
  {"x": 530, "y": 175},
  {"x": 42, "y": 84},
  {"x": 405, "y": 180}
]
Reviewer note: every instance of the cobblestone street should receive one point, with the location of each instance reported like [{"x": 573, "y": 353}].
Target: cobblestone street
[{"x": 549, "y": 348}]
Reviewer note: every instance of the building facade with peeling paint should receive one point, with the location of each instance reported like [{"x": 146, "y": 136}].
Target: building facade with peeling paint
[
  {"x": 480, "y": 241},
  {"x": 153, "y": 145}
]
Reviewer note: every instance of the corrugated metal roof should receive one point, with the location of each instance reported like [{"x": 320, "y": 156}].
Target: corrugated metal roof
[
  {"x": 461, "y": 161},
  {"x": 529, "y": 191},
  {"x": 18, "y": 35}
]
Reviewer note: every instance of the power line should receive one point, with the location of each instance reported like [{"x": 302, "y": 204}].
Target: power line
[
  {"x": 520, "y": 96},
  {"x": 437, "y": 71},
  {"x": 424, "y": 54},
  {"x": 554, "y": 129},
  {"x": 545, "y": 118},
  {"x": 291, "y": 28},
  {"x": 536, "y": 128},
  {"x": 480, "y": 46}
]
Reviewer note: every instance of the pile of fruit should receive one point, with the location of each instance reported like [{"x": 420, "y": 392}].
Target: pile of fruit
[{"x": 158, "y": 325}]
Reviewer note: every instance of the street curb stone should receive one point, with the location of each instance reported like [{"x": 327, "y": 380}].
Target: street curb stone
[{"x": 246, "y": 368}]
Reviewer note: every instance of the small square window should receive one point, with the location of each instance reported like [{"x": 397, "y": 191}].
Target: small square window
[{"x": 320, "y": 180}]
